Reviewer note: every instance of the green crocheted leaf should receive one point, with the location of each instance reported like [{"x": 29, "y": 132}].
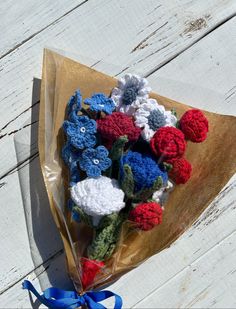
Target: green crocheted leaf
[
  {"x": 83, "y": 216},
  {"x": 127, "y": 184},
  {"x": 145, "y": 194},
  {"x": 106, "y": 237},
  {"x": 118, "y": 148},
  {"x": 167, "y": 166}
]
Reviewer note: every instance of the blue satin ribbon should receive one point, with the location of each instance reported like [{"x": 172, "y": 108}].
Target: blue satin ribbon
[{"x": 56, "y": 298}]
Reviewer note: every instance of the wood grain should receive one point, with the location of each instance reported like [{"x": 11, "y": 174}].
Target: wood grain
[
  {"x": 21, "y": 21},
  {"x": 183, "y": 47}
]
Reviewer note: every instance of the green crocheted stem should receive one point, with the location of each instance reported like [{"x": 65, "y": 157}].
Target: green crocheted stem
[
  {"x": 173, "y": 111},
  {"x": 83, "y": 216},
  {"x": 145, "y": 194},
  {"x": 167, "y": 166},
  {"x": 127, "y": 184},
  {"x": 106, "y": 237},
  {"x": 118, "y": 148}
]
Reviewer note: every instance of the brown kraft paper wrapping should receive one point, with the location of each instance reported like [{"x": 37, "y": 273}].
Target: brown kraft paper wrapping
[{"x": 213, "y": 164}]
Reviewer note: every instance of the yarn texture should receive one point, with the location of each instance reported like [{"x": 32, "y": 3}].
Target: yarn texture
[
  {"x": 81, "y": 132},
  {"x": 74, "y": 105},
  {"x": 168, "y": 142},
  {"x": 116, "y": 125},
  {"x": 130, "y": 92},
  {"x": 100, "y": 103},
  {"x": 146, "y": 215},
  {"x": 194, "y": 125},
  {"x": 181, "y": 170},
  {"x": 144, "y": 169},
  {"x": 98, "y": 196},
  {"x": 94, "y": 161},
  {"x": 161, "y": 195},
  {"x": 151, "y": 116},
  {"x": 90, "y": 268}
]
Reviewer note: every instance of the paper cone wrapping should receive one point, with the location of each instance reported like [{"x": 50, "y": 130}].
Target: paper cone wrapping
[{"x": 213, "y": 163}]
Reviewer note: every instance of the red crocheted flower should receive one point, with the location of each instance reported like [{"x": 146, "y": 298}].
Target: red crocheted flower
[
  {"x": 146, "y": 215},
  {"x": 168, "y": 142},
  {"x": 181, "y": 170},
  {"x": 115, "y": 125},
  {"x": 194, "y": 125},
  {"x": 90, "y": 268}
]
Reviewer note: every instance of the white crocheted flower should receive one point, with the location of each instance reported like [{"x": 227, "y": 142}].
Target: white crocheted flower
[
  {"x": 98, "y": 196},
  {"x": 162, "y": 194},
  {"x": 131, "y": 90},
  {"x": 151, "y": 116}
]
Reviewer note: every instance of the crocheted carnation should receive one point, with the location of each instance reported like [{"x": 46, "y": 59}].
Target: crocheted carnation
[
  {"x": 194, "y": 125},
  {"x": 144, "y": 169},
  {"x": 146, "y": 215},
  {"x": 100, "y": 102},
  {"x": 168, "y": 142},
  {"x": 94, "y": 161},
  {"x": 98, "y": 196},
  {"x": 90, "y": 268},
  {"x": 181, "y": 170},
  {"x": 130, "y": 92},
  {"x": 151, "y": 116},
  {"x": 115, "y": 125},
  {"x": 81, "y": 132}
]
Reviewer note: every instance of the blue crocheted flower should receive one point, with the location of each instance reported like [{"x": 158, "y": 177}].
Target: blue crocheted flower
[
  {"x": 81, "y": 132},
  {"x": 144, "y": 169},
  {"x": 94, "y": 161},
  {"x": 74, "y": 105},
  {"x": 100, "y": 103},
  {"x": 70, "y": 156}
]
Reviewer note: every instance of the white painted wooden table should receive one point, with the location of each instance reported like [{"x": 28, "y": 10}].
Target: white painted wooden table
[{"x": 187, "y": 48}]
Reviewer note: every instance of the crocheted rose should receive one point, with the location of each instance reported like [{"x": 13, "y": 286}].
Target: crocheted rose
[
  {"x": 81, "y": 132},
  {"x": 194, "y": 125},
  {"x": 98, "y": 196},
  {"x": 100, "y": 103},
  {"x": 131, "y": 90},
  {"x": 146, "y": 215},
  {"x": 168, "y": 142},
  {"x": 94, "y": 161},
  {"x": 115, "y": 125},
  {"x": 161, "y": 195},
  {"x": 151, "y": 116},
  {"x": 139, "y": 173},
  {"x": 181, "y": 170},
  {"x": 90, "y": 268}
]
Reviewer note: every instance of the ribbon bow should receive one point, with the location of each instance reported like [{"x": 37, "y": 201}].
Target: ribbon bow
[{"x": 56, "y": 298}]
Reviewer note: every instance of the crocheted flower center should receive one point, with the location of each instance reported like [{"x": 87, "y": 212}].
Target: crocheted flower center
[
  {"x": 96, "y": 161},
  {"x": 82, "y": 129},
  {"x": 156, "y": 119},
  {"x": 130, "y": 95}
]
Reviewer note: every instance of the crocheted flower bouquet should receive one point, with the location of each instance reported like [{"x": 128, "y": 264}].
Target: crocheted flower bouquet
[{"x": 125, "y": 153}]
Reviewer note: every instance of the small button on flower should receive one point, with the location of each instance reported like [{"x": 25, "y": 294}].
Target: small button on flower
[
  {"x": 94, "y": 161},
  {"x": 81, "y": 132},
  {"x": 100, "y": 103}
]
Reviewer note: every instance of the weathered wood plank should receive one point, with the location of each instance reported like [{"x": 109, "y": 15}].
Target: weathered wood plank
[
  {"x": 21, "y": 20},
  {"x": 202, "y": 242},
  {"x": 203, "y": 76},
  {"x": 142, "y": 40},
  {"x": 20, "y": 66},
  {"x": 208, "y": 282}
]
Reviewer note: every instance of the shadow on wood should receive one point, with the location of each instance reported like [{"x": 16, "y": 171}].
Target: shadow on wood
[{"x": 44, "y": 239}]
